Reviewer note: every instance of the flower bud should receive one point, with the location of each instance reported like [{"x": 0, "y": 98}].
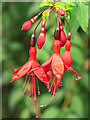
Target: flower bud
[
  {"x": 41, "y": 40},
  {"x": 33, "y": 40},
  {"x": 62, "y": 38},
  {"x": 69, "y": 36},
  {"x": 61, "y": 12},
  {"x": 27, "y": 25},
  {"x": 57, "y": 34}
]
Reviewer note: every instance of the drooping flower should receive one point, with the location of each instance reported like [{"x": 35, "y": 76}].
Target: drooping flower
[
  {"x": 55, "y": 68},
  {"x": 67, "y": 58},
  {"x": 33, "y": 70}
]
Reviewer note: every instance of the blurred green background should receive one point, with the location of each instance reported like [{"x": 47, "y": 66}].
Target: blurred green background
[{"x": 71, "y": 101}]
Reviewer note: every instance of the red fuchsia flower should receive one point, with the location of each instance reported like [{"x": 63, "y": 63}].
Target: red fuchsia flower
[
  {"x": 33, "y": 70},
  {"x": 55, "y": 64},
  {"x": 41, "y": 37},
  {"x": 67, "y": 57}
]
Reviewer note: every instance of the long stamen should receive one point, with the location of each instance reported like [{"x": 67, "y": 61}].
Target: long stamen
[
  {"x": 26, "y": 87},
  {"x": 51, "y": 84},
  {"x": 35, "y": 96},
  {"x": 51, "y": 98},
  {"x": 25, "y": 81},
  {"x": 30, "y": 88},
  {"x": 48, "y": 85},
  {"x": 38, "y": 86}
]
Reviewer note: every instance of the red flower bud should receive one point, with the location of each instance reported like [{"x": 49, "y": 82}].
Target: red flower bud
[
  {"x": 60, "y": 11},
  {"x": 27, "y": 25},
  {"x": 69, "y": 36},
  {"x": 66, "y": 56},
  {"x": 62, "y": 38},
  {"x": 57, "y": 33},
  {"x": 41, "y": 40}
]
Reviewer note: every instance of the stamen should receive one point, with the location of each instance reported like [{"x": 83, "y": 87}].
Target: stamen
[
  {"x": 38, "y": 86},
  {"x": 35, "y": 95},
  {"x": 26, "y": 87},
  {"x": 25, "y": 81},
  {"x": 48, "y": 84},
  {"x": 51, "y": 98},
  {"x": 30, "y": 88}
]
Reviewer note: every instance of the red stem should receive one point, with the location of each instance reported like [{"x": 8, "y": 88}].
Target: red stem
[
  {"x": 37, "y": 26},
  {"x": 50, "y": 8},
  {"x": 67, "y": 23},
  {"x": 41, "y": 12},
  {"x": 58, "y": 20}
]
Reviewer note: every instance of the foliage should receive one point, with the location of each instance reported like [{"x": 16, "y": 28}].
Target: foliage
[{"x": 71, "y": 100}]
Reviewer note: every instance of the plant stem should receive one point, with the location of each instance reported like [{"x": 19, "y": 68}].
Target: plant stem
[
  {"x": 37, "y": 26},
  {"x": 67, "y": 23}
]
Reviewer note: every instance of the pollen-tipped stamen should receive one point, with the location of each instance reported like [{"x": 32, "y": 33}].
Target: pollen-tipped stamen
[{"x": 50, "y": 100}]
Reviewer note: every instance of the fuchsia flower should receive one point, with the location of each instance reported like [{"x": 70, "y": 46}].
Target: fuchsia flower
[
  {"x": 32, "y": 68},
  {"x": 56, "y": 65}
]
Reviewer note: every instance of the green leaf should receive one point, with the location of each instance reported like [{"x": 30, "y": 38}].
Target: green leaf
[
  {"x": 82, "y": 16},
  {"x": 59, "y": 5},
  {"x": 45, "y": 4},
  {"x": 68, "y": 7},
  {"x": 64, "y": 6},
  {"x": 68, "y": 15}
]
